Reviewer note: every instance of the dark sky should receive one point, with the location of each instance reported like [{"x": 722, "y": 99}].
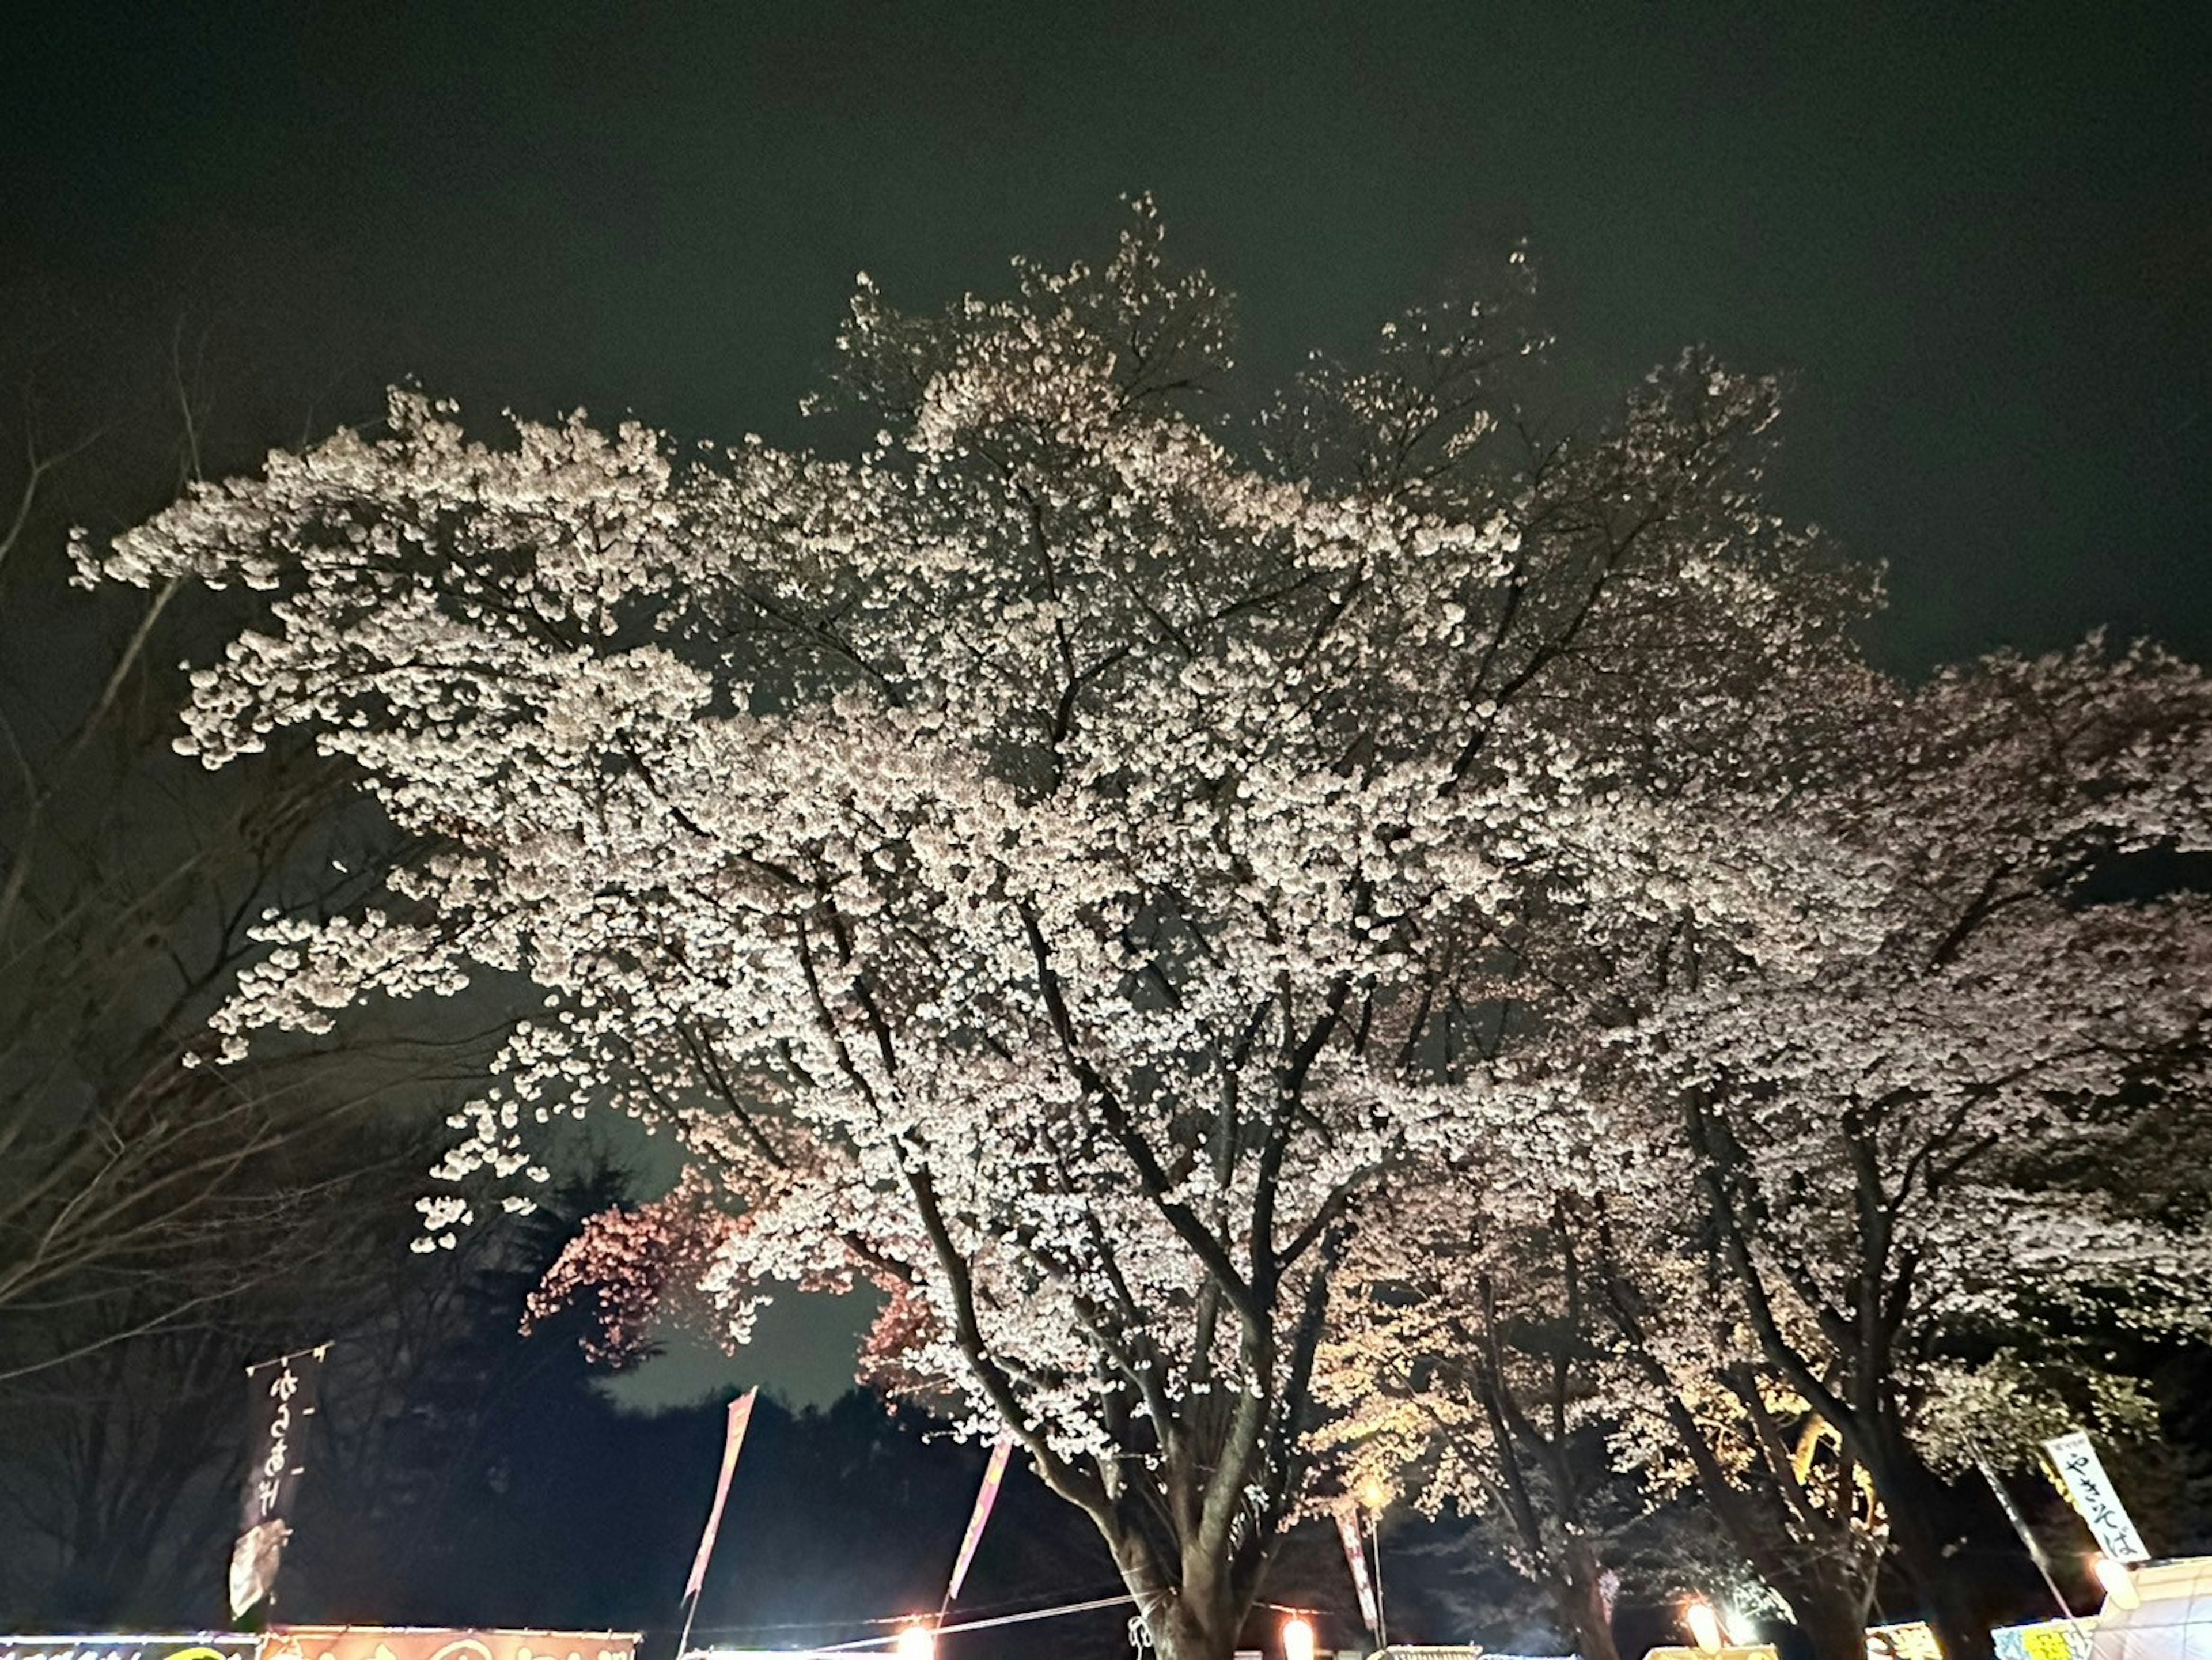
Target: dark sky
[{"x": 1978, "y": 237}]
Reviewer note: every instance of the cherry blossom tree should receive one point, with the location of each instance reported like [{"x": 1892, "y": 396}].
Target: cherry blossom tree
[
  {"x": 1699, "y": 1409},
  {"x": 1468, "y": 1366},
  {"x": 1050, "y": 866},
  {"x": 1860, "y": 1216},
  {"x": 1556, "y": 1357},
  {"x": 1920, "y": 1158}
]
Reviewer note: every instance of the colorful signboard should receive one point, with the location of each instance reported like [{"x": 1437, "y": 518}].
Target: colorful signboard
[
  {"x": 188, "y": 1645},
  {"x": 432, "y": 1643},
  {"x": 2046, "y": 1639},
  {"x": 1910, "y": 1640}
]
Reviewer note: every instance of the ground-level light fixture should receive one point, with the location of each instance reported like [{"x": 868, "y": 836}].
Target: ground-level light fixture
[
  {"x": 1298, "y": 1637},
  {"x": 1705, "y": 1625},
  {"x": 2119, "y": 1582}
]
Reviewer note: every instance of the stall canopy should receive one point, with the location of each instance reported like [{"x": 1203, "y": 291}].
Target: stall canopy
[{"x": 2172, "y": 1618}]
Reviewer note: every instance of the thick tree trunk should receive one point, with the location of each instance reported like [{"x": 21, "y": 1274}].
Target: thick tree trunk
[
  {"x": 1196, "y": 1614},
  {"x": 1830, "y": 1614},
  {"x": 1913, "y": 1499},
  {"x": 1581, "y": 1601},
  {"x": 1198, "y": 1627},
  {"x": 1184, "y": 1635}
]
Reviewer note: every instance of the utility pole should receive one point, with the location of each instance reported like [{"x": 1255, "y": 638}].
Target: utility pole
[{"x": 2034, "y": 1550}]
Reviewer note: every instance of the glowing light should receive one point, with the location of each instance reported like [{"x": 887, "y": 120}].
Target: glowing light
[
  {"x": 2119, "y": 1584},
  {"x": 1705, "y": 1625},
  {"x": 1373, "y": 1494},
  {"x": 1742, "y": 1630},
  {"x": 1298, "y": 1637},
  {"x": 916, "y": 1642}
]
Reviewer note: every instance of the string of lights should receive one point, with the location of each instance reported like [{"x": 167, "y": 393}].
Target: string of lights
[
  {"x": 894, "y": 1620},
  {"x": 910, "y": 1629}
]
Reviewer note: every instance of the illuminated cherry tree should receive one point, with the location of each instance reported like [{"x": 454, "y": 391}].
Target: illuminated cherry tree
[
  {"x": 1947, "y": 1164},
  {"x": 1554, "y": 1358},
  {"x": 1467, "y": 1369},
  {"x": 1051, "y": 864},
  {"x": 1840, "y": 1224}
]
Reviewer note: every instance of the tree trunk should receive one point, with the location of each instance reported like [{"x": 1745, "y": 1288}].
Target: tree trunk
[
  {"x": 1829, "y": 1614},
  {"x": 1196, "y": 1613},
  {"x": 1581, "y": 1601},
  {"x": 1948, "y": 1602},
  {"x": 1829, "y": 1609},
  {"x": 1195, "y": 1628},
  {"x": 1913, "y": 1499}
]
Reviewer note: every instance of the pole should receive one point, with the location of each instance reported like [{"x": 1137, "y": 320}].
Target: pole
[
  {"x": 2034, "y": 1550},
  {"x": 1375, "y": 1550},
  {"x": 683, "y": 1642}
]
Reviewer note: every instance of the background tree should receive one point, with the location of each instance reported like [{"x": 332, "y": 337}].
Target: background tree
[
  {"x": 1864, "y": 1211},
  {"x": 164, "y": 1218},
  {"x": 1585, "y": 1384},
  {"x": 1046, "y": 865},
  {"x": 1470, "y": 1369},
  {"x": 128, "y": 881},
  {"x": 1702, "y": 1412},
  {"x": 122, "y": 1455},
  {"x": 1918, "y": 1153}
]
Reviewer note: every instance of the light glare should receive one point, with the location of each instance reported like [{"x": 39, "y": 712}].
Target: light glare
[
  {"x": 2118, "y": 1583},
  {"x": 1704, "y": 1625}
]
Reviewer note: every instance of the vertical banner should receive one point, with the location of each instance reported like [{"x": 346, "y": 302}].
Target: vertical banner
[
  {"x": 993, "y": 1473},
  {"x": 1355, "y": 1557},
  {"x": 2090, "y": 1490},
  {"x": 741, "y": 1413},
  {"x": 280, "y": 1398}
]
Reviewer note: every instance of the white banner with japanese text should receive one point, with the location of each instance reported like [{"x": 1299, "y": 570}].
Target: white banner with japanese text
[{"x": 2090, "y": 1490}]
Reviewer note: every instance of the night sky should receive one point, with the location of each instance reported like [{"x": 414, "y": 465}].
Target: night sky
[{"x": 1977, "y": 239}]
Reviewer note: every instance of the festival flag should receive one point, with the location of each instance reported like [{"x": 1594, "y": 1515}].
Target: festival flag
[
  {"x": 280, "y": 1398},
  {"x": 2082, "y": 1477},
  {"x": 1355, "y": 1557},
  {"x": 741, "y": 1412},
  {"x": 993, "y": 1473}
]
